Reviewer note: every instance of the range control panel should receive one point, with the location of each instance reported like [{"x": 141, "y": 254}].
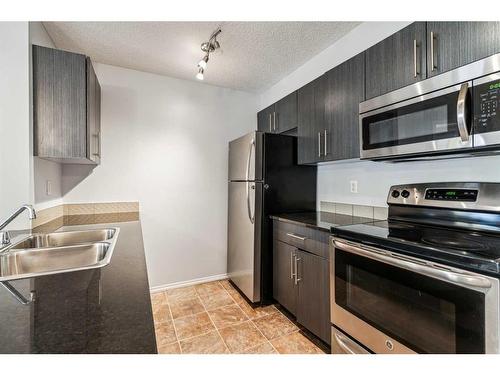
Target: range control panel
[
  {"x": 487, "y": 106},
  {"x": 458, "y": 195}
]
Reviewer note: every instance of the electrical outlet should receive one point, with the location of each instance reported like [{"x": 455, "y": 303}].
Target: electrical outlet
[
  {"x": 354, "y": 186},
  {"x": 48, "y": 187}
]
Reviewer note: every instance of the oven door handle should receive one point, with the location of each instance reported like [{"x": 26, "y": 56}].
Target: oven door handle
[
  {"x": 345, "y": 345},
  {"x": 408, "y": 263},
  {"x": 461, "y": 112}
]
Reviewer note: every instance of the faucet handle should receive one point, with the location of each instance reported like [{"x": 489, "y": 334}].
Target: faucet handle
[{"x": 4, "y": 238}]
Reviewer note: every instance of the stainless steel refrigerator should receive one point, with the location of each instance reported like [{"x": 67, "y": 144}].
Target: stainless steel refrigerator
[{"x": 264, "y": 179}]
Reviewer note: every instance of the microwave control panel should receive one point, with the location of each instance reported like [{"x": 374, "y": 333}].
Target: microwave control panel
[{"x": 487, "y": 106}]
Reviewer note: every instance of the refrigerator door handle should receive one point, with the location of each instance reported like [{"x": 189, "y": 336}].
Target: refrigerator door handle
[
  {"x": 252, "y": 146},
  {"x": 250, "y": 215}
]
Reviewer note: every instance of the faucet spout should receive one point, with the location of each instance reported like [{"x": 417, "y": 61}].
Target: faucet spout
[{"x": 4, "y": 235}]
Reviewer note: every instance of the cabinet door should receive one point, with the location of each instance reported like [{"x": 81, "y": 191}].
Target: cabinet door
[
  {"x": 93, "y": 115},
  {"x": 311, "y": 121},
  {"x": 345, "y": 91},
  {"x": 59, "y": 104},
  {"x": 313, "y": 301},
  {"x": 265, "y": 119},
  {"x": 284, "y": 290},
  {"x": 453, "y": 44},
  {"x": 286, "y": 113},
  {"x": 397, "y": 61},
  {"x": 306, "y": 143}
]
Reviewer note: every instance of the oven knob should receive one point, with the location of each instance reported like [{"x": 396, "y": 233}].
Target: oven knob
[
  {"x": 405, "y": 193},
  {"x": 395, "y": 193}
]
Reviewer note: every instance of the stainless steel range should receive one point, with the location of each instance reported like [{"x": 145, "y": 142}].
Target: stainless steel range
[{"x": 424, "y": 281}]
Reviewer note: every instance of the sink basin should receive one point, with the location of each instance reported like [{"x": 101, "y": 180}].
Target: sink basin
[
  {"x": 65, "y": 238},
  {"x": 58, "y": 252},
  {"x": 50, "y": 260}
]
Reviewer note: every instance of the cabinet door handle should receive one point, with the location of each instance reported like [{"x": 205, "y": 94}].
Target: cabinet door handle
[
  {"x": 292, "y": 274},
  {"x": 415, "y": 69},
  {"x": 270, "y": 124},
  {"x": 326, "y": 144},
  {"x": 293, "y": 235},
  {"x": 297, "y": 279},
  {"x": 98, "y": 146},
  {"x": 319, "y": 144},
  {"x": 433, "y": 65},
  {"x": 274, "y": 121}
]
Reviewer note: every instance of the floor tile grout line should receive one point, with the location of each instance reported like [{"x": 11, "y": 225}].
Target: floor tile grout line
[
  {"x": 262, "y": 333},
  {"x": 209, "y": 317},
  {"x": 175, "y": 330},
  {"x": 244, "y": 313},
  {"x": 188, "y": 316}
]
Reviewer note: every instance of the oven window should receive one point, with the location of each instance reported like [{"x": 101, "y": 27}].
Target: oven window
[
  {"x": 424, "y": 121},
  {"x": 425, "y": 314}
]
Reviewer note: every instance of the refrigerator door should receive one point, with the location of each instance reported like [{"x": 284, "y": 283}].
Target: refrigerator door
[
  {"x": 244, "y": 225},
  {"x": 244, "y": 158}
]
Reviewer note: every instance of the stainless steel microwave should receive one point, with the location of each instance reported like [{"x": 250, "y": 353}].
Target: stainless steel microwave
[{"x": 454, "y": 112}]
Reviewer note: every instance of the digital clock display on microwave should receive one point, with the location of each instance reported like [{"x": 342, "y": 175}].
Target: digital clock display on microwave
[{"x": 460, "y": 195}]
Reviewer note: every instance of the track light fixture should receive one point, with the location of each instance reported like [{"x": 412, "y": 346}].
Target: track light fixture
[{"x": 208, "y": 48}]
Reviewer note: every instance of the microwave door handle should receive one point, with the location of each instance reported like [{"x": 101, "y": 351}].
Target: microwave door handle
[
  {"x": 407, "y": 263},
  {"x": 461, "y": 112}
]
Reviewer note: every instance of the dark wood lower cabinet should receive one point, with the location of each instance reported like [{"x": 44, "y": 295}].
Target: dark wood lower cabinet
[
  {"x": 284, "y": 289},
  {"x": 313, "y": 306},
  {"x": 301, "y": 280}
]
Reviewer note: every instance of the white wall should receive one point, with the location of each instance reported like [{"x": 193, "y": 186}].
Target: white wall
[
  {"x": 374, "y": 178},
  {"x": 44, "y": 170},
  {"x": 357, "y": 40},
  {"x": 164, "y": 143},
  {"x": 15, "y": 159}
]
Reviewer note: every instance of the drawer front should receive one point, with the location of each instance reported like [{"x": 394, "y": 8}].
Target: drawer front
[{"x": 312, "y": 240}]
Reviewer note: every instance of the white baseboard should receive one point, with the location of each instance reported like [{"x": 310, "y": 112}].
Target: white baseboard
[{"x": 181, "y": 284}]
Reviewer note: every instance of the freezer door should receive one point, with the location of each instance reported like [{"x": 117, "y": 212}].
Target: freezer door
[
  {"x": 244, "y": 222},
  {"x": 244, "y": 158}
]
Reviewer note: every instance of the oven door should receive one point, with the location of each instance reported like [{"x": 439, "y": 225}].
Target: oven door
[
  {"x": 393, "y": 303},
  {"x": 437, "y": 122}
]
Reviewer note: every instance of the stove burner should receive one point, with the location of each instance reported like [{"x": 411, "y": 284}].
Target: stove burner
[{"x": 455, "y": 243}]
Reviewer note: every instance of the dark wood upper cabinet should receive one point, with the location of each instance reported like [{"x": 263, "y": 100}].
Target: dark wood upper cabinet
[
  {"x": 286, "y": 113},
  {"x": 397, "y": 61},
  {"x": 453, "y": 44},
  {"x": 311, "y": 121},
  {"x": 346, "y": 89},
  {"x": 66, "y": 107},
  {"x": 265, "y": 119},
  {"x": 279, "y": 117},
  {"x": 313, "y": 308}
]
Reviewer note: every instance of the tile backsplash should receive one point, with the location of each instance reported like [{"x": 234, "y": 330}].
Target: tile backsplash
[
  {"x": 372, "y": 212},
  {"x": 53, "y": 218}
]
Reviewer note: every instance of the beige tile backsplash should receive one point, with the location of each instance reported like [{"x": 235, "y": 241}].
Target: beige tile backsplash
[
  {"x": 81, "y": 213},
  {"x": 372, "y": 212}
]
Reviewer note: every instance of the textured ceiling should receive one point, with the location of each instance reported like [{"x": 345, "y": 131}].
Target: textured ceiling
[{"x": 253, "y": 55}]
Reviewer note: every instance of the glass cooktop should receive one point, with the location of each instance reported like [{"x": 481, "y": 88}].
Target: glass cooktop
[{"x": 477, "y": 251}]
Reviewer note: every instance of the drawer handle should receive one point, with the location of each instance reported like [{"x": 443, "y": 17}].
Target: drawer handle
[{"x": 296, "y": 236}]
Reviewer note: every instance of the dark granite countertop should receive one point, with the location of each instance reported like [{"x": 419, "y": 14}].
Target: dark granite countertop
[
  {"x": 106, "y": 310},
  {"x": 321, "y": 220}
]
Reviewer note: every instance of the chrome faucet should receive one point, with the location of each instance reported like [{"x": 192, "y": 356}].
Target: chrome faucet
[{"x": 4, "y": 235}]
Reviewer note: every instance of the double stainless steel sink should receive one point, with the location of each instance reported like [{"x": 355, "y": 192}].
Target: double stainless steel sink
[{"x": 58, "y": 252}]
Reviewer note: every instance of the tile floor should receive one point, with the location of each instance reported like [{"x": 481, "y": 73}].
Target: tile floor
[{"x": 214, "y": 318}]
